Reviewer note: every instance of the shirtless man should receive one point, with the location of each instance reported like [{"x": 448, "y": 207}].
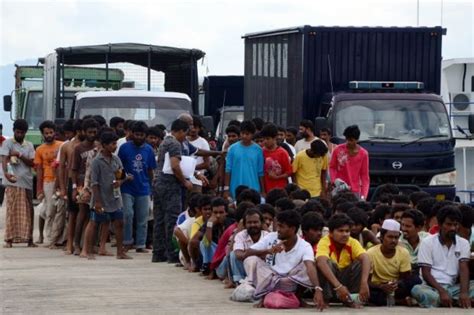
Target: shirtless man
[{"x": 65, "y": 182}]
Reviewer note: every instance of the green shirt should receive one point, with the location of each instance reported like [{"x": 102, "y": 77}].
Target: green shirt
[{"x": 413, "y": 251}]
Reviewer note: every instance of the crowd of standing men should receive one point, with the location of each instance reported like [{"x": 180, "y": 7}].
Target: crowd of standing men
[{"x": 280, "y": 214}]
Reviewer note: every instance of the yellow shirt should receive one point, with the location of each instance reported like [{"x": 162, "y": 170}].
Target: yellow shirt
[
  {"x": 350, "y": 252},
  {"x": 388, "y": 269},
  {"x": 308, "y": 172},
  {"x": 196, "y": 226}
]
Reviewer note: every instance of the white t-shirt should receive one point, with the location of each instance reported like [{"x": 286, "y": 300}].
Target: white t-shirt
[
  {"x": 186, "y": 226},
  {"x": 292, "y": 148},
  {"x": 302, "y": 144},
  {"x": 119, "y": 144},
  {"x": 284, "y": 262},
  {"x": 444, "y": 261},
  {"x": 243, "y": 241},
  {"x": 202, "y": 144}
]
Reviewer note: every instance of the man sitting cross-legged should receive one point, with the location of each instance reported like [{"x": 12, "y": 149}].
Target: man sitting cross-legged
[
  {"x": 343, "y": 263},
  {"x": 391, "y": 280},
  {"x": 289, "y": 261}
]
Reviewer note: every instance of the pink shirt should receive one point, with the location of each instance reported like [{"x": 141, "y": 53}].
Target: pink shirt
[{"x": 354, "y": 170}]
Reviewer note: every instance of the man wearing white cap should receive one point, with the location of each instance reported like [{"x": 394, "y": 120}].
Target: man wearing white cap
[{"x": 391, "y": 265}]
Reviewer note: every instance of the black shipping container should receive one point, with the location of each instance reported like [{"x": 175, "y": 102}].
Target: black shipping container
[
  {"x": 288, "y": 72},
  {"x": 222, "y": 91}
]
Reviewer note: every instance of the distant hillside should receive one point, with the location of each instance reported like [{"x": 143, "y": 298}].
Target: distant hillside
[{"x": 7, "y": 84}]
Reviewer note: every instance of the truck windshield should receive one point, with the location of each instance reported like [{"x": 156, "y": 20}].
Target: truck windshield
[
  {"x": 152, "y": 110},
  {"x": 393, "y": 120},
  {"x": 34, "y": 109}
]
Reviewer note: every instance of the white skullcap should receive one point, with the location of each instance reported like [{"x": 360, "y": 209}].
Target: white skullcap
[{"x": 391, "y": 225}]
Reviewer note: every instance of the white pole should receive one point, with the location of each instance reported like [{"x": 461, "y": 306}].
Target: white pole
[
  {"x": 442, "y": 7},
  {"x": 417, "y": 12}
]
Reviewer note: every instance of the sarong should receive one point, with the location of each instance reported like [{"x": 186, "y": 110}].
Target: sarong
[{"x": 18, "y": 215}]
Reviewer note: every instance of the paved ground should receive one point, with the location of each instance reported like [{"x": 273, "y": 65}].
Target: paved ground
[{"x": 44, "y": 281}]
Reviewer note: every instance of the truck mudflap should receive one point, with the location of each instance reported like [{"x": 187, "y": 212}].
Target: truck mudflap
[{"x": 438, "y": 192}]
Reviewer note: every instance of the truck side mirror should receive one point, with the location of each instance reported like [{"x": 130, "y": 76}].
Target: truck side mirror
[
  {"x": 471, "y": 123},
  {"x": 7, "y": 103},
  {"x": 320, "y": 123}
]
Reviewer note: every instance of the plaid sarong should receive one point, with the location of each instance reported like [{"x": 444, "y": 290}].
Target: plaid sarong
[{"x": 18, "y": 215}]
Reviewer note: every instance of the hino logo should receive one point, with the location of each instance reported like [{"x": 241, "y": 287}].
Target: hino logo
[{"x": 397, "y": 165}]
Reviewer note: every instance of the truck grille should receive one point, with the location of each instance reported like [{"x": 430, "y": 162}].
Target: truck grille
[{"x": 419, "y": 180}]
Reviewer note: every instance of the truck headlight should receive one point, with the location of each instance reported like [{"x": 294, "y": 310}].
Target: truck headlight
[{"x": 445, "y": 179}]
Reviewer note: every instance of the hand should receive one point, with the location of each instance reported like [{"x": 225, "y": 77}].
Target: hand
[
  {"x": 212, "y": 219},
  {"x": 319, "y": 300},
  {"x": 117, "y": 183},
  {"x": 225, "y": 195},
  {"x": 364, "y": 292},
  {"x": 74, "y": 194},
  {"x": 129, "y": 177},
  {"x": 272, "y": 175},
  {"x": 464, "y": 300},
  {"x": 201, "y": 177},
  {"x": 343, "y": 294},
  {"x": 389, "y": 287},
  {"x": 39, "y": 195},
  {"x": 15, "y": 153},
  {"x": 278, "y": 248},
  {"x": 11, "y": 178},
  {"x": 63, "y": 194},
  {"x": 98, "y": 207},
  {"x": 445, "y": 298},
  {"x": 188, "y": 185}
]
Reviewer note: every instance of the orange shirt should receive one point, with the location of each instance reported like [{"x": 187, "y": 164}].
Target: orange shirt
[{"x": 45, "y": 158}]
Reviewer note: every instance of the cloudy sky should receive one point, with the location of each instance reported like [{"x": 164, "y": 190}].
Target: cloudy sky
[
  {"x": 30, "y": 29},
  {"x": 33, "y": 28}
]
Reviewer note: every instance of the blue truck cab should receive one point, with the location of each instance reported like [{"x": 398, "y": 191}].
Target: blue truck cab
[{"x": 406, "y": 132}]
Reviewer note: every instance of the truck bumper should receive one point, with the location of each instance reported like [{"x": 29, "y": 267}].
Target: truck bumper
[{"x": 438, "y": 192}]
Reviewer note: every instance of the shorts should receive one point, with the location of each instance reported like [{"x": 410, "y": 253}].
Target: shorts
[
  {"x": 72, "y": 204},
  {"x": 107, "y": 216}
]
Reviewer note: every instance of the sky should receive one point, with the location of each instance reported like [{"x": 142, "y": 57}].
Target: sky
[{"x": 34, "y": 28}]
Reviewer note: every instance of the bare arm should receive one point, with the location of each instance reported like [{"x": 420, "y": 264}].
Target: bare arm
[
  {"x": 62, "y": 172},
  {"x": 323, "y": 266},
  {"x": 201, "y": 152},
  {"x": 39, "y": 180},
  {"x": 174, "y": 161}
]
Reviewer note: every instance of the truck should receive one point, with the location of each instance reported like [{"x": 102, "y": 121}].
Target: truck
[
  {"x": 28, "y": 96},
  {"x": 384, "y": 79},
  {"x": 457, "y": 90}
]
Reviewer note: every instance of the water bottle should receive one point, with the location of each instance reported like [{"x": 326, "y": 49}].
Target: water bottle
[
  {"x": 11, "y": 171},
  {"x": 391, "y": 297},
  {"x": 116, "y": 191}
]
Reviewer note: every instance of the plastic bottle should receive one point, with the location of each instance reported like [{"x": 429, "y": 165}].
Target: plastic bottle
[{"x": 391, "y": 297}]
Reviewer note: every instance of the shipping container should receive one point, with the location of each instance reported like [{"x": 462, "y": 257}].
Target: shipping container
[
  {"x": 220, "y": 91},
  {"x": 288, "y": 72}
]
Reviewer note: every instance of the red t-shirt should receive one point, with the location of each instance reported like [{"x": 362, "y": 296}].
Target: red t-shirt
[{"x": 278, "y": 162}]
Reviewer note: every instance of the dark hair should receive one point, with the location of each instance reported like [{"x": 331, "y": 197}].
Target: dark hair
[
  {"x": 289, "y": 217},
  {"x": 301, "y": 194},
  {"x": 319, "y": 148},
  {"x": 140, "y": 126},
  {"x": 284, "y": 204},
  {"x": 234, "y": 122},
  {"x": 399, "y": 208},
  {"x": 358, "y": 216},
  {"x": 205, "y": 200},
  {"x": 247, "y": 126},
  {"x": 266, "y": 208},
  {"x": 128, "y": 124},
  {"x": 239, "y": 190},
  {"x": 258, "y": 122},
  {"x": 69, "y": 125},
  {"x": 281, "y": 129},
  {"x": 312, "y": 206},
  {"x": 449, "y": 212},
  {"x": 218, "y": 202},
  {"x": 193, "y": 202},
  {"x": 197, "y": 122},
  {"x": 426, "y": 205},
  {"x": 437, "y": 207},
  {"x": 416, "y": 196},
  {"x": 291, "y": 187},
  {"x": 20, "y": 124},
  {"x": 364, "y": 205},
  {"x": 467, "y": 215},
  {"x": 339, "y": 220},
  {"x": 179, "y": 125},
  {"x": 343, "y": 207},
  {"x": 401, "y": 199},
  {"x": 257, "y": 135},
  {"x": 47, "y": 124},
  {"x": 307, "y": 124},
  {"x": 115, "y": 121},
  {"x": 232, "y": 129},
  {"x": 78, "y": 125},
  {"x": 161, "y": 126},
  {"x": 89, "y": 123},
  {"x": 352, "y": 132},
  {"x": 108, "y": 137},
  {"x": 249, "y": 195},
  {"x": 155, "y": 131},
  {"x": 380, "y": 213},
  {"x": 347, "y": 195},
  {"x": 241, "y": 209},
  {"x": 327, "y": 130},
  {"x": 269, "y": 130},
  {"x": 312, "y": 220},
  {"x": 275, "y": 194},
  {"x": 292, "y": 130},
  {"x": 100, "y": 120},
  {"x": 415, "y": 215},
  {"x": 385, "y": 192},
  {"x": 252, "y": 211}
]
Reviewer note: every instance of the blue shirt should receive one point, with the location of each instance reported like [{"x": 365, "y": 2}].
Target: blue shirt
[
  {"x": 137, "y": 161},
  {"x": 245, "y": 165}
]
